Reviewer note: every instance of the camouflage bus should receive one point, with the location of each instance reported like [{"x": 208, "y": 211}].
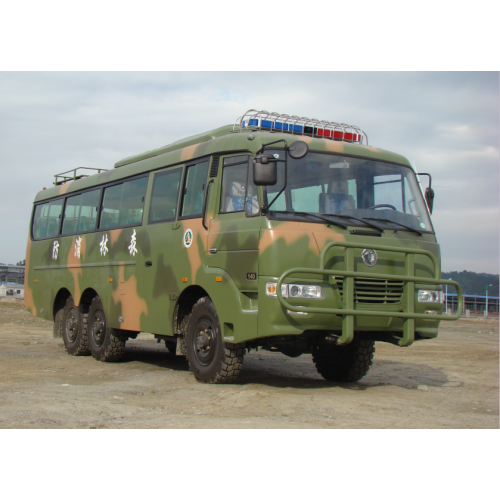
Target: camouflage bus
[{"x": 280, "y": 232}]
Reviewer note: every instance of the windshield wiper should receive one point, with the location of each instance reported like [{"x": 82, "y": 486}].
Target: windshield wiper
[
  {"x": 398, "y": 223},
  {"x": 355, "y": 218},
  {"x": 309, "y": 214}
]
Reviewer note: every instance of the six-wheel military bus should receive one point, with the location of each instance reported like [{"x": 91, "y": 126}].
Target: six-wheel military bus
[{"x": 280, "y": 232}]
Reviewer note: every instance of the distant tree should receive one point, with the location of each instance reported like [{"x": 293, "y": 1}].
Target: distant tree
[
  {"x": 21, "y": 263},
  {"x": 474, "y": 283}
]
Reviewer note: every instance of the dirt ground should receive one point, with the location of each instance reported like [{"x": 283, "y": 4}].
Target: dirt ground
[{"x": 449, "y": 382}]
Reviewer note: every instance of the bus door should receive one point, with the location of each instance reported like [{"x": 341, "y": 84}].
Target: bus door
[
  {"x": 159, "y": 251},
  {"x": 233, "y": 238}
]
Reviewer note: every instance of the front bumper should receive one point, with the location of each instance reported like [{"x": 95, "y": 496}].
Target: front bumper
[{"x": 348, "y": 310}]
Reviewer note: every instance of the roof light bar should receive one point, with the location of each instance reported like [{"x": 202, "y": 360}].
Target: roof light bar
[{"x": 264, "y": 120}]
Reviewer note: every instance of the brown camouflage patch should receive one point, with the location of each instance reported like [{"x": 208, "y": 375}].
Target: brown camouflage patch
[
  {"x": 29, "y": 304},
  {"x": 291, "y": 232},
  {"x": 64, "y": 187},
  {"x": 74, "y": 267},
  {"x": 335, "y": 146},
  {"x": 114, "y": 234},
  {"x": 373, "y": 150},
  {"x": 132, "y": 305},
  {"x": 188, "y": 152},
  {"x": 322, "y": 238}
]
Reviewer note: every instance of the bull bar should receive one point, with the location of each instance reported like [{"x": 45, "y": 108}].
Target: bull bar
[{"x": 348, "y": 311}]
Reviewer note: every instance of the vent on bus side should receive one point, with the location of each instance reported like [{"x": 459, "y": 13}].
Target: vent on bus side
[{"x": 214, "y": 167}]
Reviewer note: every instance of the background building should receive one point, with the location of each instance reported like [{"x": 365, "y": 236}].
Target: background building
[
  {"x": 11, "y": 274},
  {"x": 11, "y": 290}
]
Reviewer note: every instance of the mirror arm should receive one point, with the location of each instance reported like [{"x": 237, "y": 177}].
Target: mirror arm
[
  {"x": 261, "y": 150},
  {"x": 430, "y": 179},
  {"x": 266, "y": 208}
]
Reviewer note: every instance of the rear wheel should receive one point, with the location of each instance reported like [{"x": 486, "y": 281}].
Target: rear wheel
[
  {"x": 348, "y": 363},
  {"x": 106, "y": 344},
  {"x": 210, "y": 359},
  {"x": 74, "y": 330}
]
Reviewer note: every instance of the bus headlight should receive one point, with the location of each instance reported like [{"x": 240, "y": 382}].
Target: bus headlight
[
  {"x": 431, "y": 296},
  {"x": 296, "y": 291},
  {"x": 271, "y": 290}
]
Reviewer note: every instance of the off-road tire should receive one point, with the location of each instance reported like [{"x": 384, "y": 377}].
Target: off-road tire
[
  {"x": 222, "y": 363},
  {"x": 73, "y": 329},
  {"x": 348, "y": 363},
  {"x": 106, "y": 344},
  {"x": 58, "y": 324}
]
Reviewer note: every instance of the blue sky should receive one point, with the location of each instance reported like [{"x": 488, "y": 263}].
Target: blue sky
[{"x": 447, "y": 123}]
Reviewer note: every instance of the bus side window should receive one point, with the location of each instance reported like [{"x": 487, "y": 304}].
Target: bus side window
[
  {"x": 194, "y": 190},
  {"x": 111, "y": 206},
  {"x": 132, "y": 206},
  {"x": 40, "y": 221},
  {"x": 54, "y": 217},
  {"x": 88, "y": 210},
  {"x": 164, "y": 196},
  {"x": 71, "y": 214},
  {"x": 123, "y": 204}
]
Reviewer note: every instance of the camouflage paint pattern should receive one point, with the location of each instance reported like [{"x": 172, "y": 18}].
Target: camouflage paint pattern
[{"x": 140, "y": 298}]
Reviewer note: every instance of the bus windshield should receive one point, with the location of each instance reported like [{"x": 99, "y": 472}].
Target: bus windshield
[{"x": 363, "y": 188}]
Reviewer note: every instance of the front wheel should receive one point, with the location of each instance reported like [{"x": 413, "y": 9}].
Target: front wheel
[
  {"x": 348, "y": 363},
  {"x": 106, "y": 344},
  {"x": 210, "y": 359}
]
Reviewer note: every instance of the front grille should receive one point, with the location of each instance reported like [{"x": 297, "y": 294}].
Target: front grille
[{"x": 374, "y": 291}]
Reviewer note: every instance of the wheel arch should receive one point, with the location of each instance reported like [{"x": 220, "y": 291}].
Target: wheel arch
[
  {"x": 60, "y": 301},
  {"x": 187, "y": 299},
  {"x": 86, "y": 299}
]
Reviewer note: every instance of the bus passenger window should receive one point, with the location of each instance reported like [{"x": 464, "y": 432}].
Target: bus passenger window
[
  {"x": 164, "y": 197},
  {"x": 40, "y": 221},
  {"x": 194, "y": 190},
  {"x": 71, "y": 214},
  {"x": 132, "y": 205},
  {"x": 111, "y": 206},
  {"x": 123, "y": 204},
  {"x": 55, "y": 210},
  {"x": 88, "y": 210},
  {"x": 46, "y": 219}
]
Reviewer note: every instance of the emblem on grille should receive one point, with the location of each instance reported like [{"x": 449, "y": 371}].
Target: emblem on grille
[{"x": 369, "y": 257}]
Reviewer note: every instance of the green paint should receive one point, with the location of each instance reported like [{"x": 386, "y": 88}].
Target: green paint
[{"x": 142, "y": 271}]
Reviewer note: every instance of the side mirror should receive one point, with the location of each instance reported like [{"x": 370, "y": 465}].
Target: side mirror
[
  {"x": 429, "y": 198},
  {"x": 265, "y": 171},
  {"x": 298, "y": 150}
]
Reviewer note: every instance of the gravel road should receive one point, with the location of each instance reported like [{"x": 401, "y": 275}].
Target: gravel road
[{"x": 449, "y": 382}]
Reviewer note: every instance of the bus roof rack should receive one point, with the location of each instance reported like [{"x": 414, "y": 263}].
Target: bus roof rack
[
  {"x": 63, "y": 177},
  {"x": 276, "y": 122}
]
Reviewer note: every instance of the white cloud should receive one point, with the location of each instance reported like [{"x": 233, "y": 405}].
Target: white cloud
[{"x": 447, "y": 123}]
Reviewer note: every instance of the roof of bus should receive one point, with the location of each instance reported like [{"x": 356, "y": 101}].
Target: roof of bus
[{"x": 218, "y": 141}]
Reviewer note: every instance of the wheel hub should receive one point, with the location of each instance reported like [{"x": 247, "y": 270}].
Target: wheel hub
[
  {"x": 98, "y": 328},
  {"x": 71, "y": 325},
  {"x": 204, "y": 342}
]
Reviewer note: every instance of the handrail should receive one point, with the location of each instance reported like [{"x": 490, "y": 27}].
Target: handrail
[
  {"x": 66, "y": 178},
  {"x": 348, "y": 311}
]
